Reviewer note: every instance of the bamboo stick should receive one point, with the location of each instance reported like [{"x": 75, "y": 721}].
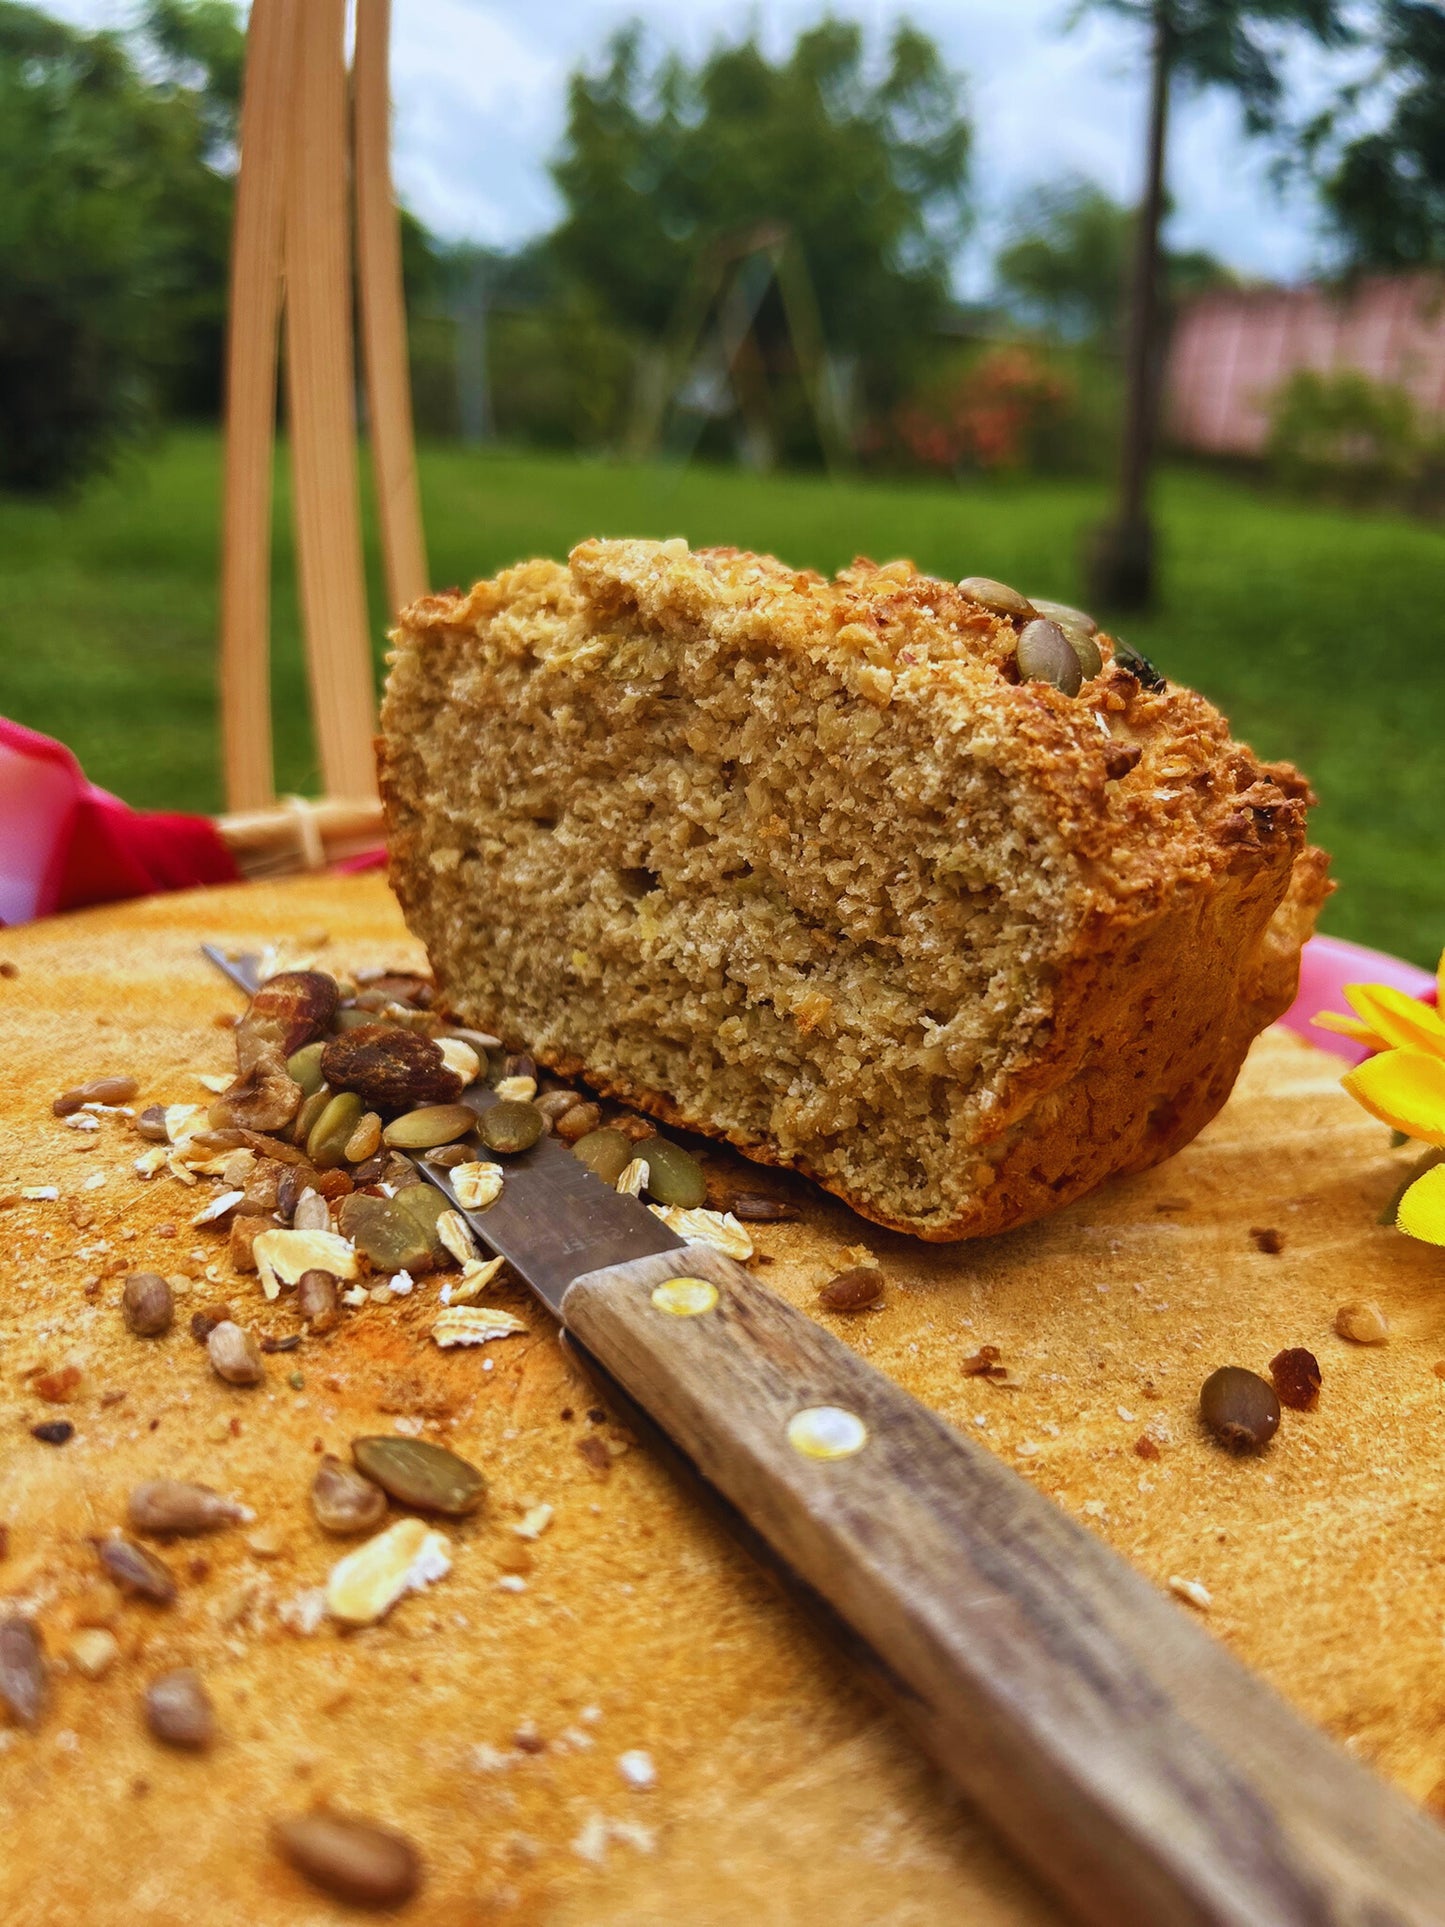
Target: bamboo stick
[
  {"x": 321, "y": 398},
  {"x": 383, "y": 314},
  {"x": 297, "y": 834},
  {"x": 255, "y": 303}
]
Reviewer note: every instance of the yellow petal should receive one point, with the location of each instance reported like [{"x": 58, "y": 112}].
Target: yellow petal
[
  {"x": 1348, "y": 1027},
  {"x": 1422, "y": 1209},
  {"x": 1403, "y": 1088},
  {"x": 1400, "y": 1019}
]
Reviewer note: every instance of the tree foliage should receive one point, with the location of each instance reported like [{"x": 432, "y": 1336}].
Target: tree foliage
[
  {"x": 866, "y": 163},
  {"x": 1380, "y": 149},
  {"x": 113, "y": 218},
  {"x": 1067, "y": 269}
]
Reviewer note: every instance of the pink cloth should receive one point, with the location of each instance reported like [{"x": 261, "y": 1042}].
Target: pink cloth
[
  {"x": 65, "y": 843},
  {"x": 1327, "y": 964}
]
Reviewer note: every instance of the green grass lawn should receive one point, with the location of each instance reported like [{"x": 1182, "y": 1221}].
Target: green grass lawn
[{"x": 1317, "y": 631}]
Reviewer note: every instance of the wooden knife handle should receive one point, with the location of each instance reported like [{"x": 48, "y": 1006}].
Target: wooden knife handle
[{"x": 1143, "y": 1773}]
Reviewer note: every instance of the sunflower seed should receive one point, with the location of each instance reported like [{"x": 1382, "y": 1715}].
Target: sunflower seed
[
  {"x": 367, "y": 1865},
  {"x": 165, "y": 1507},
  {"x": 178, "y": 1710},
  {"x": 151, "y": 1124},
  {"x": 138, "y": 1572},
  {"x": 235, "y": 1355},
  {"x": 343, "y": 1501},
  {"x": 312, "y": 1213},
  {"x": 316, "y": 1300},
  {"x": 22, "y": 1669},
  {"x": 853, "y": 1290},
  {"x": 1365, "y": 1323},
  {"x": 417, "y": 1473},
  {"x": 147, "y": 1304},
  {"x": 100, "y": 1090}
]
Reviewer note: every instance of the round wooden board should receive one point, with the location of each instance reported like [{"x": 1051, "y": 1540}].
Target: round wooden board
[{"x": 782, "y": 1795}]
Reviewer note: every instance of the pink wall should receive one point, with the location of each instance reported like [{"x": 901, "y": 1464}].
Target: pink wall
[{"x": 1232, "y": 347}]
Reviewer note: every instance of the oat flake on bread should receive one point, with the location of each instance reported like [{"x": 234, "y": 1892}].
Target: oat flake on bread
[{"x": 803, "y": 864}]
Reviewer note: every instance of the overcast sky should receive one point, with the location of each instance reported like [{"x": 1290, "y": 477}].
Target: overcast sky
[{"x": 479, "y": 89}]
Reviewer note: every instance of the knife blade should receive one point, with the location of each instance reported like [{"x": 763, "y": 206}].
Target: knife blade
[{"x": 1140, "y": 1770}]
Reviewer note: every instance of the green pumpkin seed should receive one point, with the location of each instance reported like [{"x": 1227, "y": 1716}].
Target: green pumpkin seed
[
  {"x": 329, "y": 1136},
  {"x": 304, "y": 1068},
  {"x": 423, "y": 1204},
  {"x": 997, "y": 597},
  {"x": 607, "y": 1152},
  {"x": 1045, "y": 655},
  {"x": 431, "y": 1126},
  {"x": 511, "y": 1124},
  {"x": 311, "y": 1109},
  {"x": 674, "y": 1176},
  {"x": 417, "y": 1473},
  {"x": 1091, "y": 658},
  {"x": 382, "y": 1231}
]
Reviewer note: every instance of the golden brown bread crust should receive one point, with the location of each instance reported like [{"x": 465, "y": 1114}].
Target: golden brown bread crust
[
  {"x": 781, "y": 1795},
  {"x": 1189, "y": 883}
]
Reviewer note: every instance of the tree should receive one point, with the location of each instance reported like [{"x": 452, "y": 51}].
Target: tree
[
  {"x": 865, "y": 163},
  {"x": 1067, "y": 271},
  {"x": 1383, "y": 174},
  {"x": 1238, "y": 45}
]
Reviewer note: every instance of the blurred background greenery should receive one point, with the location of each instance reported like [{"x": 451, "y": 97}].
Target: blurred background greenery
[{"x": 744, "y": 328}]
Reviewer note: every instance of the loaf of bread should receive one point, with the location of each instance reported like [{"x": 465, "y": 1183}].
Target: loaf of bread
[{"x": 823, "y": 869}]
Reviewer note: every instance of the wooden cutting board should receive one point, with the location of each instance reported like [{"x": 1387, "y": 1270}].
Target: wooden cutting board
[{"x": 782, "y": 1796}]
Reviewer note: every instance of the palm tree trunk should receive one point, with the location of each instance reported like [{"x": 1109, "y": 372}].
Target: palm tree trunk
[{"x": 1121, "y": 565}]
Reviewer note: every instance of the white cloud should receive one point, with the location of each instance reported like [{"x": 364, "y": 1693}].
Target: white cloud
[{"x": 480, "y": 100}]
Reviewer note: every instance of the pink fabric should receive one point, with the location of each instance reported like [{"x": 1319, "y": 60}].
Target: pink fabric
[
  {"x": 1327, "y": 964},
  {"x": 65, "y": 843}
]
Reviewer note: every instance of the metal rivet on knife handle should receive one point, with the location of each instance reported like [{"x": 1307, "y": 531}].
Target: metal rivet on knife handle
[
  {"x": 826, "y": 1432},
  {"x": 685, "y": 1297}
]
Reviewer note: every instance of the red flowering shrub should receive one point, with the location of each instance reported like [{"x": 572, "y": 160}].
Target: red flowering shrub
[{"x": 989, "y": 417}]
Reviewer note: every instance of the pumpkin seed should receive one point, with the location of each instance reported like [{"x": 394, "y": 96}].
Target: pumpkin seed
[
  {"x": 22, "y": 1669},
  {"x": 1066, "y": 616},
  {"x": 343, "y": 1501},
  {"x": 137, "y": 1572},
  {"x": 304, "y": 1068},
  {"x": 235, "y": 1355},
  {"x": 510, "y": 1125},
  {"x": 606, "y": 1152},
  {"x": 428, "y": 1128},
  {"x": 997, "y": 597},
  {"x": 386, "y": 1234},
  {"x": 329, "y": 1136},
  {"x": 420, "y": 1474},
  {"x": 556, "y": 1104},
  {"x": 853, "y": 1290},
  {"x": 674, "y": 1176},
  {"x": 1046, "y": 655},
  {"x": 165, "y": 1507},
  {"x": 178, "y": 1710},
  {"x": 426, "y": 1207},
  {"x": 316, "y": 1300},
  {"x": 311, "y": 1109},
  {"x": 1091, "y": 659},
  {"x": 368, "y": 1865},
  {"x": 147, "y": 1304},
  {"x": 353, "y": 1019}
]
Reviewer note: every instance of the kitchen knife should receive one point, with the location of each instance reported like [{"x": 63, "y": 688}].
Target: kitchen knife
[{"x": 1144, "y": 1774}]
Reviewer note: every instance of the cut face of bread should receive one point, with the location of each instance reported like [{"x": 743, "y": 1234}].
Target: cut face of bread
[{"x": 804, "y": 864}]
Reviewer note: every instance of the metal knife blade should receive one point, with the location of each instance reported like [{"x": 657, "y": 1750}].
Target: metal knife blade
[{"x": 554, "y": 1220}]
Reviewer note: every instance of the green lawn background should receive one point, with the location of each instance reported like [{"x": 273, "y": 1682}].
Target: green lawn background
[{"x": 1318, "y": 631}]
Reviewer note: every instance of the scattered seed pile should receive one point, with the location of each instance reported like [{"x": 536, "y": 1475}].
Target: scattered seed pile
[{"x": 929, "y": 891}]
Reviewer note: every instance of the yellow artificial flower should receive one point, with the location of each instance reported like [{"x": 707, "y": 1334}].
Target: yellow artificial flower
[{"x": 1403, "y": 1085}]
